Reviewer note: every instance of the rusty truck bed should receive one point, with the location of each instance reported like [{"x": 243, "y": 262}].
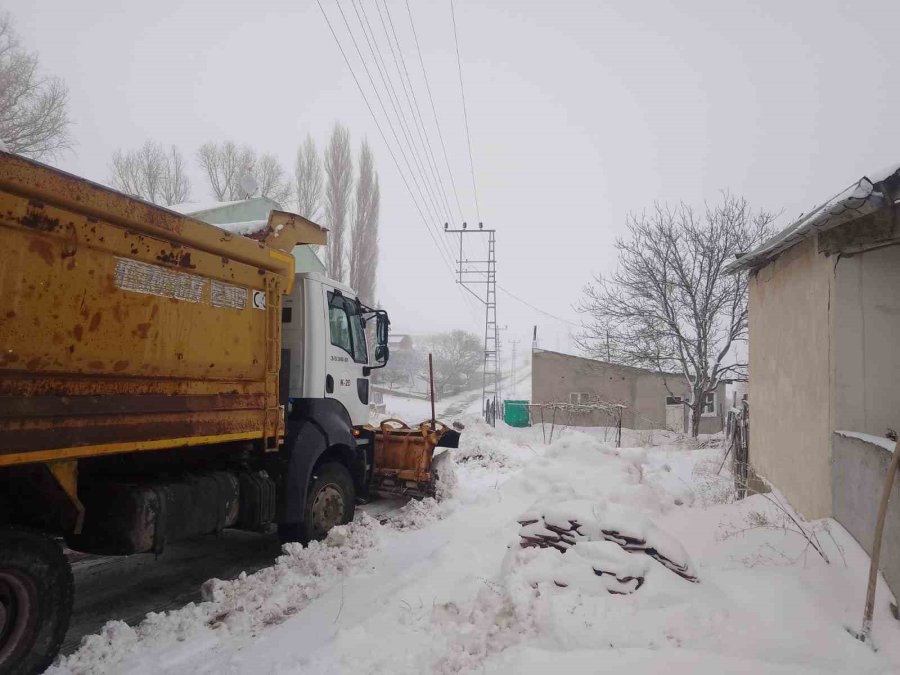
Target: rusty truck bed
[{"x": 126, "y": 327}]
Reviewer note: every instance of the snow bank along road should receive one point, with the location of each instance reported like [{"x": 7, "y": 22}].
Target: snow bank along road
[{"x": 448, "y": 587}]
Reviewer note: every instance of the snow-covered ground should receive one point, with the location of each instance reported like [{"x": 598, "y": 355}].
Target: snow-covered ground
[{"x": 447, "y": 587}]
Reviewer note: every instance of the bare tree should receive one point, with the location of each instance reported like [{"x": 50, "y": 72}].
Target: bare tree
[
  {"x": 402, "y": 368},
  {"x": 34, "y": 108},
  {"x": 457, "y": 356},
  {"x": 176, "y": 186},
  {"x": 364, "y": 233},
  {"x": 670, "y": 306},
  {"x": 228, "y": 167},
  {"x": 272, "y": 179},
  {"x": 224, "y": 165},
  {"x": 339, "y": 184},
  {"x": 152, "y": 173},
  {"x": 308, "y": 180}
]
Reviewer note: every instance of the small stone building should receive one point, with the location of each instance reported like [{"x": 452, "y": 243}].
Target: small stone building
[
  {"x": 824, "y": 385},
  {"x": 651, "y": 400}
]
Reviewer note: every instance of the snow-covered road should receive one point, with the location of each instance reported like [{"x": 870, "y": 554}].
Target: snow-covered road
[{"x": 446, "y": 587}]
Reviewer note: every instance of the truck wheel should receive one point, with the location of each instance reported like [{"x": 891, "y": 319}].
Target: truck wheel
[
  {"x": 330, "y": 501},
  {"x": 36, "y": 591}
]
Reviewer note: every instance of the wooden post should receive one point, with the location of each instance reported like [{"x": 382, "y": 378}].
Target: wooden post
[
  {"x": 431, "y": 388},
  {"x": 543, "y": 428},
  {"x": 876, "y": 546},
  {"x": 553, "y": 423}
]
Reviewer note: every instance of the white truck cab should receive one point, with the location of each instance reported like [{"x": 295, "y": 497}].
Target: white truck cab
[{"x": 324, "y": 339}]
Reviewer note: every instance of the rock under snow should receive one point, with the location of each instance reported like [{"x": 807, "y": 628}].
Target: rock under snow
[{"x": 568, "y": 525}]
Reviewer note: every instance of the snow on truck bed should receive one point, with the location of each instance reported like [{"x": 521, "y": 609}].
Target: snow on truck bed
[{"x": 449, "y": 587}]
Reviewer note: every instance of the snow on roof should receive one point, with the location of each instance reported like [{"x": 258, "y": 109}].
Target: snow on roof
[
  {"x": 880, "y": 441},
  {"x": 189, "y": 208},
  {"x": 858, "y": 200},
  {"x": 245, "y": 228}
]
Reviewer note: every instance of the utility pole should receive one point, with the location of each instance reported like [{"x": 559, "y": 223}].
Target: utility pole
[
  {"x": 474, "y": 273},
  {"x": 513, "y": 378},
  {"x": 500, "y": 330}
]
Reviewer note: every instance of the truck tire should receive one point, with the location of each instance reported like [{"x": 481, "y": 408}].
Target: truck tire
[
  {"x": 330, "y": 501},
  {"x": 36, "y": 592}
]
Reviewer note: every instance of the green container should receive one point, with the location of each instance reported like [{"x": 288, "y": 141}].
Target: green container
[{"x": 515, "y": 413}]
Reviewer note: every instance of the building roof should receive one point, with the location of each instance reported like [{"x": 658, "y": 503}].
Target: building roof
[
  {"x": 599, "y": 362},
  {"x": 862, "y": 198},
  {"x": 397, "y": 338},
  {"x": 190, "y": 208}
]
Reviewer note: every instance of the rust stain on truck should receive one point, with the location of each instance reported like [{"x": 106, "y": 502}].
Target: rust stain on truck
[{"x": 148, "y": 303}]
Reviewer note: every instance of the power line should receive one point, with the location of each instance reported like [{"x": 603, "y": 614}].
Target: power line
[
  {"x": 462, "y": 89},
  {"x": 538, "y": 309},
  {"x": 384, "y": 110},
  {"x": 437, "y": 124},
  {"x": 381, "y": 133},
  {"x": 427, "y": 195},
  {"x": 413, "y": 103},
  {"x": 381, "y": 67},
  {"x": 384, "y": 139}
]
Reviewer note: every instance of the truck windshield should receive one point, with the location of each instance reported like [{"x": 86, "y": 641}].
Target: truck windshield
[{"x": 347, "y": 330}]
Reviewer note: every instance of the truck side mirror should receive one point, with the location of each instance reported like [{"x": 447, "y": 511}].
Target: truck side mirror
[
  {"x": 382, "y": 354},
  {"x": 382, "y": 327}
]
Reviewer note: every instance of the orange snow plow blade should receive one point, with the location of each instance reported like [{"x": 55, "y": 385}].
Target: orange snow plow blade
[{"x": 404, "y": 457}]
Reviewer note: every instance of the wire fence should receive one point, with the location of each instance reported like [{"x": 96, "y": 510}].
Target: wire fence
[
  {"x": 737, "y": 439},
  {"x": 563, "y": 412}
]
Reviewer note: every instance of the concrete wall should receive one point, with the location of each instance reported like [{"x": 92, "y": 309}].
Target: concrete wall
[
  {"x": 790, "y": 376},
  {"x": 867, "y": 342},
  {"x": 650, "y": 399},
  {"x": 554, "y": 376},
  {"x": 857, "y": 482}
]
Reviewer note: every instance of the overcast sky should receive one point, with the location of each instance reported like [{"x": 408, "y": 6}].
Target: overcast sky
[{"x": 579, "y": 113}]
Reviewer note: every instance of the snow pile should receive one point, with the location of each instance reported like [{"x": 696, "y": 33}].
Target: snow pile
[
  {"x": 231, "y": 609},
  {"x": 578, "y": 466},
  {"x": 481, "y": 446},
  {"x": 447, "y": 478},
  {"x": 415, "y": 514}
]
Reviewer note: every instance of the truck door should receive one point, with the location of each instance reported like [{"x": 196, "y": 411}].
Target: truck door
[{"x": 346, "y": 356}]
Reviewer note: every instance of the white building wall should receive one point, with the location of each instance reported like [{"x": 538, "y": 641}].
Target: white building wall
[
  {"x": 790, "y": 373},
  {"x": 867, "y": 342}
]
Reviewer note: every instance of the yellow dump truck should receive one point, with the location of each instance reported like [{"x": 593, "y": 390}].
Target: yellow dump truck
[{"x": 162, "y": 378}]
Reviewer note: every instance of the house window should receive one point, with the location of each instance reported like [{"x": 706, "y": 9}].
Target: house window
[
  {"x": 709, "y": 404},
  {"x": 579, "y": 398},
  {"x": 674, "y": 400}
]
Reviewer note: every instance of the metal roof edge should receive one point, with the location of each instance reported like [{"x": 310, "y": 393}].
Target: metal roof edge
[{"x": 856, "y": 201}]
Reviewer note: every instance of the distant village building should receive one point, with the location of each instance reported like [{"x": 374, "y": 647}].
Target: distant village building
[
  {"x": 400, "y": 342},
  {"x": 824, "y": 359},
  {"x": 247, "y": 210},
  {"x": 651, "y": 400}
]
